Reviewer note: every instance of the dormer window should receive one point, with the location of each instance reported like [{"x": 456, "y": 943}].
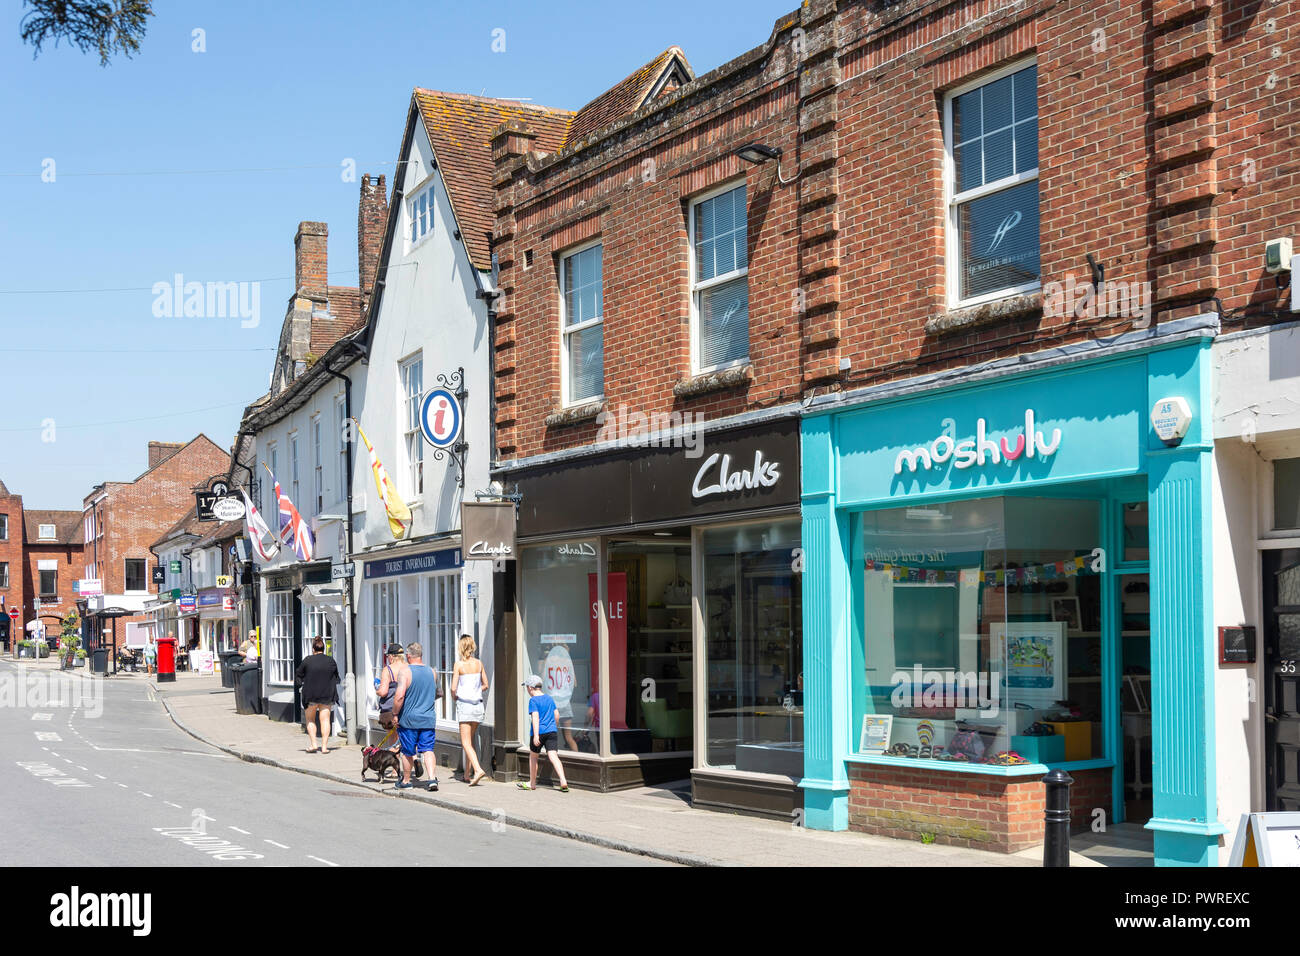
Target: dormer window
[{"x": 46, "y": 532}]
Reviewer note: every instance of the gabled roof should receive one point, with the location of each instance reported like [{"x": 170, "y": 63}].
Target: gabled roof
[
  {"x": 221, "y": 531},
  {"x": 666, "y": 71},
  {"x": 180, "y": 447},
  {"x": 460, "y": 128},
  {"x": 3, "y": 490},
  {"x": 67, "y": 527}
]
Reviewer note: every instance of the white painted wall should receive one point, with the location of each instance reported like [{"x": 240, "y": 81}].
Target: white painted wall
[{"x": 428, "y": 306}]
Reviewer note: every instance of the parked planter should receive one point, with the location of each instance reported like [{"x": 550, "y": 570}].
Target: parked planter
[
  {"x": 26, "y": 652},
  {"x": 43, "y": 650}
]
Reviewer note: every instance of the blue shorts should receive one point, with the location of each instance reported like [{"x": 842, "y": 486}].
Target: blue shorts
[{"x": 416, "y": 741}]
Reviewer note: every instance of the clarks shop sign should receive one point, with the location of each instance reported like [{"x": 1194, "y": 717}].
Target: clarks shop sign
[
  {"x": 488, "y": 530},
  {"x": 738, "y": 470}
]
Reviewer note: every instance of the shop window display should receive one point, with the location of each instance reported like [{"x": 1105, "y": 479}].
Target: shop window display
[
  {"x": 982, "y": 632},
  {"x": 560, "y": 635}
]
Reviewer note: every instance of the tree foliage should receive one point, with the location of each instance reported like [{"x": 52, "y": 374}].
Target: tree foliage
[{"x": 105, "y": 26}]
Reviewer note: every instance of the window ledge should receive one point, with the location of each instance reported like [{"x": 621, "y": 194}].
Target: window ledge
[
  {"x": 950, "y": 766},
  {"x": 735, "y": 377},
  {"x": 574, "y": 415},
  {"x": 986, "y": 313}
]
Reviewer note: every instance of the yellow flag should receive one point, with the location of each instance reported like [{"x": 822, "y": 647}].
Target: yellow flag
[{"x": 399, "y": 516}]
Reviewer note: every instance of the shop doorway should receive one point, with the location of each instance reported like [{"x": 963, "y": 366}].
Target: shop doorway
[
  {"x": 652, "y": 695},
  {"x": 1134, "y": 626},
  {"x": 1282, "y": 682}
]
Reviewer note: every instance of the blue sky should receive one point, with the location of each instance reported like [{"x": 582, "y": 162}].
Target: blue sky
[{"x": 291, "y": 89}]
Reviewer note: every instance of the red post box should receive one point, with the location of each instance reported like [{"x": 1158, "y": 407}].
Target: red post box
[{"x": 166, "y": 659}]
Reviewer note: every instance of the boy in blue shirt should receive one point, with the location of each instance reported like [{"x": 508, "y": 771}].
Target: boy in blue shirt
[{"x": 542, "y": 732}]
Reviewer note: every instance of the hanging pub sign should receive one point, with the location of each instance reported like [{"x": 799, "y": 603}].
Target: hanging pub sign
[
  {"x": 488, "y": 530},
  {"x": 228, "y": 509},
  {"x": 204, "y": 501},
  {"x": 160, "y": 574}
]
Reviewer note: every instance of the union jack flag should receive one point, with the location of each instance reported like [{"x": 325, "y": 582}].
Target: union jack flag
[{"x": 293, "y": 529}]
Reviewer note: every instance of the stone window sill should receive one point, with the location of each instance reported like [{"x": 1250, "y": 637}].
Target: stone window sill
[
  {"x": 735, "y": 377},
  {"x": 987, "y": 313},
  {"x": 575, "y": 415}
]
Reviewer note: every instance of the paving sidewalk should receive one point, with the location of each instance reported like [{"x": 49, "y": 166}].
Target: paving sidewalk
[{"x": 653, "y": 821}]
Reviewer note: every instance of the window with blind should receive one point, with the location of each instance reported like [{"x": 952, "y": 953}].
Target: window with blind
[
  {"x": 318, "y": 466},
  {"x": 582, "y": 351},
  {"x": 279, "y": 642},
  {"x": 720, "y": 279},
  {"x": 991, "y": 130}
]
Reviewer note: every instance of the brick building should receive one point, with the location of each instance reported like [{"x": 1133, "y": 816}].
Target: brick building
[
  {"x": 12, "y": 592},
  {"x": 884, "y": 219},
  {"x": 52, "y": 564},
  {"x": 122, "y": 519}
]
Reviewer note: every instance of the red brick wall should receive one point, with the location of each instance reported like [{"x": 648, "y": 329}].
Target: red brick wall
[
  {"x": 1166, "y": 145},
  {"x": 71, "y": 565},
  {"x": 960, "y": 809},
  {"x": 11, "y": 553}
]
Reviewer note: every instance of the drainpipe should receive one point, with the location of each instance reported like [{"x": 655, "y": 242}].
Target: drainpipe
[{"x": 350, "y": 693}]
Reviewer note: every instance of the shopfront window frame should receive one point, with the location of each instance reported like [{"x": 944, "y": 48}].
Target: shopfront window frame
[
  {"x": 278, "y": 646},
  {"x": 1110, "y": 542}
]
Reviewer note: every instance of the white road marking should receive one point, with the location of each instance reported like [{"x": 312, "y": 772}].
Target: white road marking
[
  {"x": 42, "y": 716},
  {"x": 273, "y": 843},
  {"x": 319, "y": 860},
  {"x": 244, "y": 832},
  {"x": 124, "y": 786},
  {"x": 101, "y": 776},
  {"x": 48, "y": 735},
  {"x": 143, "y": 794},
  {"x": 80, "y": 767},
  {"x": 170, "y": 804}
]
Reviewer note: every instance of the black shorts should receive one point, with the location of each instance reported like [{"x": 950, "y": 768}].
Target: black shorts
[{"x": 550, "y": 740}]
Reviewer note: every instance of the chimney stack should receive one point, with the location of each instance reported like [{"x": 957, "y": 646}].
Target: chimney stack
[
  {"x": 372, "y": 220},
  {"x": 311, "y": 259}
]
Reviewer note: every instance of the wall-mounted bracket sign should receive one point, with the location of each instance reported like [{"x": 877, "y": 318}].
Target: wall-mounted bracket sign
[
  {"x": 1171, "y": 418},
  {"x": 218, "y": 488},
  {"x": 488, "y": 530},
  {"x": 1237, "y": 644},
  {"x": 442, "y": 420}
]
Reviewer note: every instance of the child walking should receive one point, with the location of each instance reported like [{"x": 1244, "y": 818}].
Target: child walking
[{"x": 543, "y": 733}]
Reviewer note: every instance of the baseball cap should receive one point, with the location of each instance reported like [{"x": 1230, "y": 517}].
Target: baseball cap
[
  {"x": 396, "y": 649},
  {"x": 533, "y": 681}
]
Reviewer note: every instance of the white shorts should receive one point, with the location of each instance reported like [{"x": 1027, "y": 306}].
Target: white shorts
[{"x": 468, "y": 713}]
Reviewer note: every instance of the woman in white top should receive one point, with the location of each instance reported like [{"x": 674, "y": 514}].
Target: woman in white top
[{"x": 469, "y": 687}]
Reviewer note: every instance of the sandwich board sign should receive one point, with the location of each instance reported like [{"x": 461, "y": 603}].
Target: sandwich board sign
[{"x": 1267, "y": 839}]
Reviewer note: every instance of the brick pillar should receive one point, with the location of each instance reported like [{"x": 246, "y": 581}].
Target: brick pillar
[
  {"x": 311, "y": 259},
  {"x": 372, "y": 220},
  {"x": 510, "y": 144}
]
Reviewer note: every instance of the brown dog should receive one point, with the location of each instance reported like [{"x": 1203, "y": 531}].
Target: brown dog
[{"x": 380, "y": 761}]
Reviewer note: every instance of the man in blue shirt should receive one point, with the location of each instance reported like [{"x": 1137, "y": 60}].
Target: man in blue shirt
[
  {"x": 542, "y": 733},
  {"x": 415, "y": 708}
]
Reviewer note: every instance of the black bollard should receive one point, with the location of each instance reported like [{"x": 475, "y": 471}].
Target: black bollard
[{"x": 1056, "y": 819}]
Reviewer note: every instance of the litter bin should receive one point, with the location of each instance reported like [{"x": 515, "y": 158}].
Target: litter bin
[
  {"x": 248, "y": 688},
  {"x": 99, "y": 660},
  {"x": 228, "y": 661},
  {"x": 166, "y": 659}
]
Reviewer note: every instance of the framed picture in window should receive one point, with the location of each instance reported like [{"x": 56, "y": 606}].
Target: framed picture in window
[
  {"x": 1030, "y": 655},
  {"x": 876, "y": 729},
  {"x": 1066, "y": 610}
]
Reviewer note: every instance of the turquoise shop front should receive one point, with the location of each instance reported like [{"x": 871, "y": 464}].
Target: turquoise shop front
[{"x": 1006, "y": 574}]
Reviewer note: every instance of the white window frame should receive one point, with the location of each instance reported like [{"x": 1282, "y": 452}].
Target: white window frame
[
  {"x": 294, "y": 458},
  {"x": 145, "y": 589},
  {"x": 698, "y": 287},
  {"x": 278, "y": 646},
  {"x": 41, "y": 592},
  {"x": 953, "y": 202},
  {"x": 440, "y": 632},
  {"x": 345, "y": 433},
  {"x": 384, "y": 613},
  {"x": 566, "y": 331},
  {"x": 43, "y": 535},
  {"x": 317, "y": 624},
  {"x": 4, "y": 527},
  {"x": 419, "y": 228},
  {"x": 317, "y": 467},
  {"x": 412, "y": 437}
]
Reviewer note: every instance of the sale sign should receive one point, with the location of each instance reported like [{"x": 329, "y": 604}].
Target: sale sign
[
  {"x": 617, "y": 620},
  {"x": 557, "y": 675}
]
